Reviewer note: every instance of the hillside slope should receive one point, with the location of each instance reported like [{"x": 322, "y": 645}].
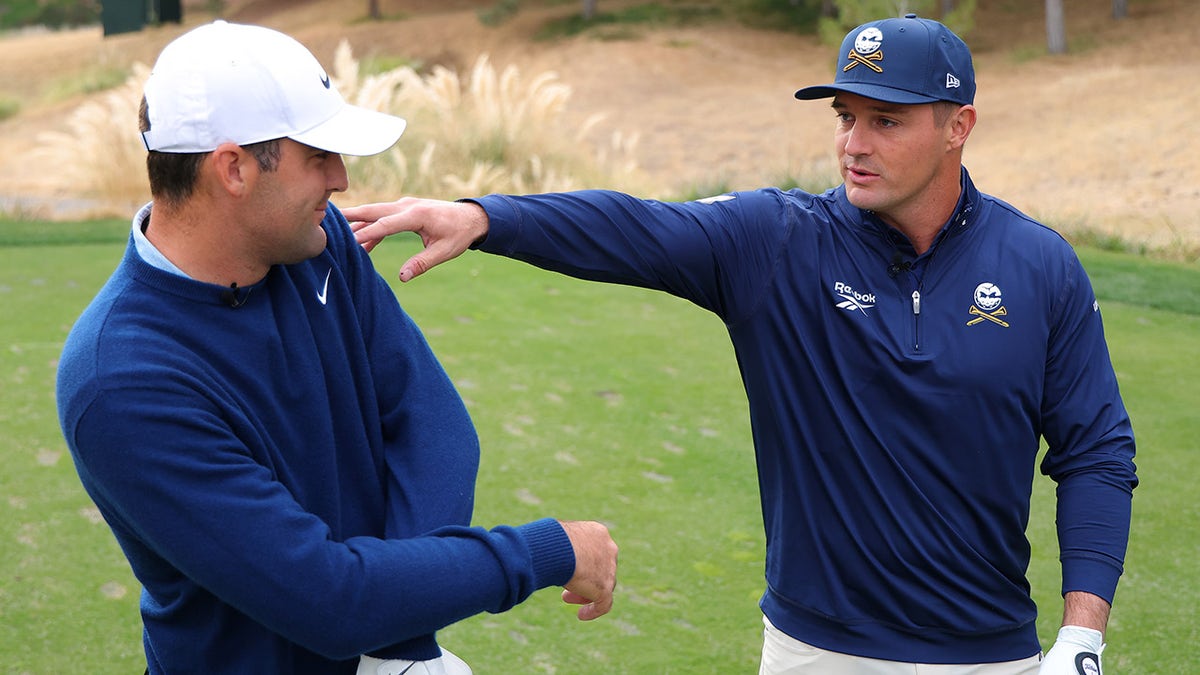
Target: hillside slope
[{"x": 1092, "y": 139}]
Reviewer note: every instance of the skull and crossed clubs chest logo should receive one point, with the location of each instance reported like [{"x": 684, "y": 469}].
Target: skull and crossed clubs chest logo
[{"x": 987, "y": 306}]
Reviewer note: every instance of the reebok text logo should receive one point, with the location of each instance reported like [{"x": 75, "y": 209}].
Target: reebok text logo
[{"x": 852, "y": 300}]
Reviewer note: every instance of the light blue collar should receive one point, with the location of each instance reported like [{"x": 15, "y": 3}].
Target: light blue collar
[{"x": 151, "y": 255}]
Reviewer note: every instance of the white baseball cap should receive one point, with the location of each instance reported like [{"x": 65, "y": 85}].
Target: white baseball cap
[{"x": 225, "y": 82}]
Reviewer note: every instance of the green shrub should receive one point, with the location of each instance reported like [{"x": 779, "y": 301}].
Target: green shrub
[
  {"x": 9, "y": 107},
  {"x": 96, "y": 78},
  {"x": 49, "y": 13},
  {"x": 791, "y": 15},
  {"x": 498, "y": 13},
  {"x": 620, "y": 24}
]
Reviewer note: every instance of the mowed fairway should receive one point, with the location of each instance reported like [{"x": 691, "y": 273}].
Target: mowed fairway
[{"x": 592, "y": 402}]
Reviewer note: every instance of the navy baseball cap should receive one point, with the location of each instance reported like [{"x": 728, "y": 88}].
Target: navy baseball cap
[{"x": 907, "y": 61}]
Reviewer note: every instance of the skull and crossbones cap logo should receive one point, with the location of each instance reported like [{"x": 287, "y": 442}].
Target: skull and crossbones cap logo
[{"x": 907, "y": 60}]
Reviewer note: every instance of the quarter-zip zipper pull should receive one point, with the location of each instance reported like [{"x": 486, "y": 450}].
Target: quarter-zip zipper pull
[{"x": 916, "y": 296}]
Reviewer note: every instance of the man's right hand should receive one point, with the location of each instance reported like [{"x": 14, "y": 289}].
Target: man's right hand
[
  {"x": 595, "y": 568},
  {"x": 446, "y": 228},
  {"x": 1076, "y": 651}
]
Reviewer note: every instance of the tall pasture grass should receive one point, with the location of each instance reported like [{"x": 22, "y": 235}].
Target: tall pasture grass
[{"x": 488, "y": 130}]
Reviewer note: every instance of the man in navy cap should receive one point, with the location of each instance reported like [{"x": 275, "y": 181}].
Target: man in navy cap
[{"x": 905, "y": 342}]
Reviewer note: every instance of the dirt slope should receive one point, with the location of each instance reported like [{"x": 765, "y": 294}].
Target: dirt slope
[{"x": 1101, "y": 137}]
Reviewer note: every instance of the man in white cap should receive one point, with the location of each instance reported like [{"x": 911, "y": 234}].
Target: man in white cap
[
  {"x": 282, "y": 459},
  {"x": 905, "y": 342}
]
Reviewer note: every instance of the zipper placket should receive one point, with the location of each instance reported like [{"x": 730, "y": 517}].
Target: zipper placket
[
  {"x": 919, "y": 278},
  {"x": 916, "y": 309},
  {"x": 960, "y": 218},
  {"x": 918, "y": 274}
]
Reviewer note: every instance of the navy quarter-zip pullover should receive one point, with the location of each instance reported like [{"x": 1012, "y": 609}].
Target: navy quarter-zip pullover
[{"x": 897, "y": 401}]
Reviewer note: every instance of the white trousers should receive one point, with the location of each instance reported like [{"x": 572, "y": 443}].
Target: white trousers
[
  {"x": 785, "y": 655},
  {"x": 446, "y": 664}
]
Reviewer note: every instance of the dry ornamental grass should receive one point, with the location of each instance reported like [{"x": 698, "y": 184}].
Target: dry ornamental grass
[
  {"x": 1082, "y": 141},
  {"x": 486, "y": 132}
]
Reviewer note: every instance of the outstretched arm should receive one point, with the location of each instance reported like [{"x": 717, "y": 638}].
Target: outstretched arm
[{"x": 446, "y": 228}]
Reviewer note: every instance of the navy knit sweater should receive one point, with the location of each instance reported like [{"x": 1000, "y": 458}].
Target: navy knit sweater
[{"x": 292, "y": 479}]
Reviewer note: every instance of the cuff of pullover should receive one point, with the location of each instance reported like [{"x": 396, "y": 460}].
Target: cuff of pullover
[
  {"x": 551, "y": 551},
  {"x": 1097, "y": 576},
  {"x": 503, "y": 223}
]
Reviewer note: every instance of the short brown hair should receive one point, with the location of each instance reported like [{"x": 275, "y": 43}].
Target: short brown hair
[
  {"x": 943, "y": 110},
  {"x": 173, "y": 174}
]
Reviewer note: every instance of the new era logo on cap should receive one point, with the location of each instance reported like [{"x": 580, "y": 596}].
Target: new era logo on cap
[{"x": 908, "y": 61}]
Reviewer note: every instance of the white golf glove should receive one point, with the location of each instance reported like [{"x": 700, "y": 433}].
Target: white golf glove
[{"x": 1076, "y": 651}]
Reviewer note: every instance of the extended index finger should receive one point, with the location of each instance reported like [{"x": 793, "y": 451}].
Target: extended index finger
[
  {"x": 384, "y": 226},
  {"x": 369, "y": 213}
]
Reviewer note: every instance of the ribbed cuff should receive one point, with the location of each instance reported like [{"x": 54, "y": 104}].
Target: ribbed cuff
[
  {"x": 551, "y": 550},
  {"x": 1097, "y": 576}
]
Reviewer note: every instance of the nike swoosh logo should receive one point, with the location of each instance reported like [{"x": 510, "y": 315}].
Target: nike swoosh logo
[
  {"x": 324, "y": 289},
  {"x": 325, "y": 80}
]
